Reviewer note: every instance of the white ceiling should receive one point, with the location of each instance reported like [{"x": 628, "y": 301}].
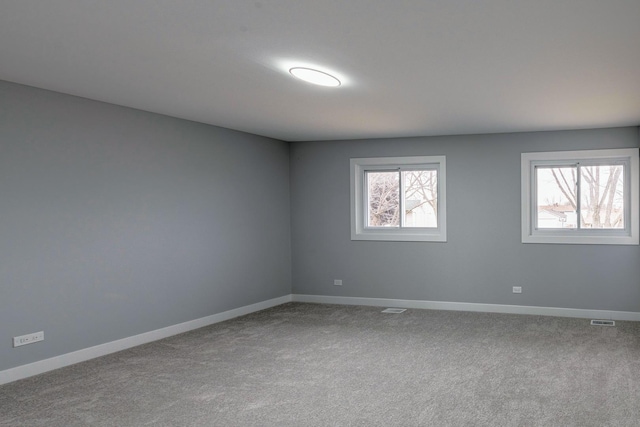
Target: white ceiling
[{"x": 409, "y": 67}]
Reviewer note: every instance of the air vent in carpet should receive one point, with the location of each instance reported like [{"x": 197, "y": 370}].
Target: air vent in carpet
[
  {"x": 394, "y": 310},
  {"x": 603, "y": 323}
]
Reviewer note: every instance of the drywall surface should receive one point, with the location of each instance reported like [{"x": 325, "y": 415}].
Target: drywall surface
[
  {"x": 483, "y": 257},
  {"x": 115, "y": 222}
]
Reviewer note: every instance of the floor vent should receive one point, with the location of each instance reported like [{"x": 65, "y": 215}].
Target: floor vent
[
  {"x": 394, "y": 310},
  {"x": 603, "y": 323}
]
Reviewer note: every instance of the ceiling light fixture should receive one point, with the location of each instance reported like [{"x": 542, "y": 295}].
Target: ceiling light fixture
[{"x": 314, "y": 76}]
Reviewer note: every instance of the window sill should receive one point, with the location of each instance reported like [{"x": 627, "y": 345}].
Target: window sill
[
  {"x": 399, "y": 236},
  {"x": 581, "y": 240}
]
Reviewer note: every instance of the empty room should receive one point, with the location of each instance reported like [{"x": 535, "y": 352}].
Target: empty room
[{"x": 319, "y": 213}]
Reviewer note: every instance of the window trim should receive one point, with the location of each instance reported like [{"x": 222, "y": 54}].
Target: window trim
[
  {"x": 359, "y": 230},
  {"x": 628, "y": 236}
]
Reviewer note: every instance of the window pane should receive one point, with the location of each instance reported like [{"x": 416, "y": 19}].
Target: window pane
[
  {"x": 420, "y": 198},
  {"x": 383, "y": 193},
  {"x": 592, "y": 186},
  {"x": 602, "y": 196},
  {"x": 556, "y": 197}
]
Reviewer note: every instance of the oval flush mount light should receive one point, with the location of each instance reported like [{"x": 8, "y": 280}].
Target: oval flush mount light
[{"x": 316, "y": 77}]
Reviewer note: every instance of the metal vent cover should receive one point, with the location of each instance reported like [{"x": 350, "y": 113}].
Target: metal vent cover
[
  {"x": 596, "y": 322},
  {"x": 394, "y": 310}
]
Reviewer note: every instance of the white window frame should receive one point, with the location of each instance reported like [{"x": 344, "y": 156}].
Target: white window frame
[
  {"x": 626, "y": 236},
  {"x": 359, "y": 230}
]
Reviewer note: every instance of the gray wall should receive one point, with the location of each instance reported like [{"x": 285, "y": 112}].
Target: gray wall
[
  {"x": 484, "y": 256},
  {"x": 115, "y": 222}
]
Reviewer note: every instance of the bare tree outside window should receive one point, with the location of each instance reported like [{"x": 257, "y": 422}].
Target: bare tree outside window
[
  {"x": 420, "y": 201},
  {"x": 384, "y": 199},
  {"x": 602, "y": 199},
  {"x": 601, "y": 196},
  {"x": 421, "y": 198}
]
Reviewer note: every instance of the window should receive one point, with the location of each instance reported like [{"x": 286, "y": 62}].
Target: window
[
  {"x": 398, "y": 198},
  {"x": 580, "y": 197}
]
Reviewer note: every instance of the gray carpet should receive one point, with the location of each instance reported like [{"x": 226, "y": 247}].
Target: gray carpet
[{"x": 327, "y": 365}]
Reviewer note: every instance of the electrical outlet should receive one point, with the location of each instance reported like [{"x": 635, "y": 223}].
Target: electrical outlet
[
  {"x": 337, "y": 282},
  {"x": 517, "y": 289},
  {"x": 28, "y": 339}
]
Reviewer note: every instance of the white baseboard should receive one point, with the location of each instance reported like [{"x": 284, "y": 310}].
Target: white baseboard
[
  {"x": 464, "y": 306},
  {"x": 61, "y": 361}
]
